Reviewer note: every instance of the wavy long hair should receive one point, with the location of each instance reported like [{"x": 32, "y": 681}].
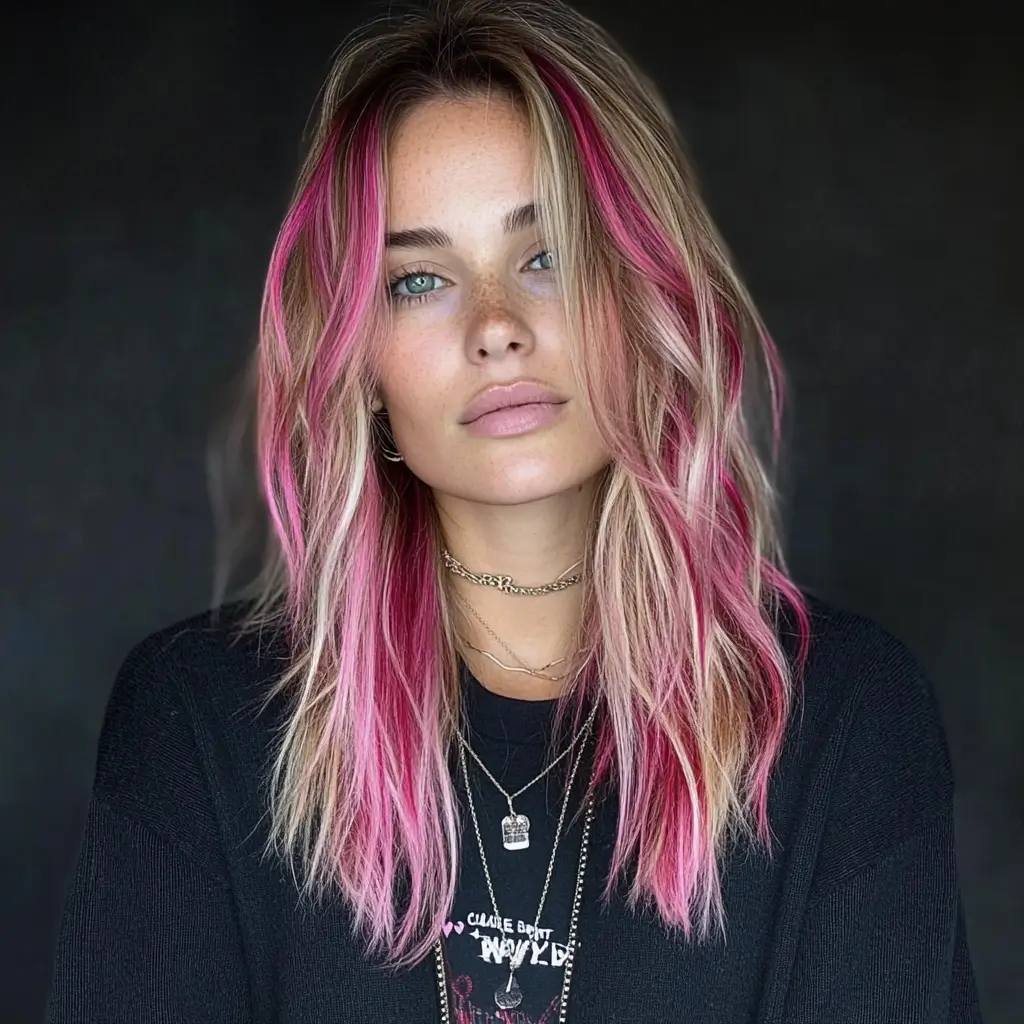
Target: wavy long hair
[{"x": 683, "y": 574}]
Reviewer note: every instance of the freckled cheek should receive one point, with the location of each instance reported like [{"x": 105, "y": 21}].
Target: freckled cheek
[
  {"x": 543, "y": 304},
  {"x": 423, "y": 368},
  {"x": 549, "y": 327}
]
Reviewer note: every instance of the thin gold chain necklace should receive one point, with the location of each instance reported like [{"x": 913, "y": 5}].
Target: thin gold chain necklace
[{"x": 539, "y": 673}]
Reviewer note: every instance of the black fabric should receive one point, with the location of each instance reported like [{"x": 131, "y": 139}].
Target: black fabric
[
  {"x": 511, "y": 738},
  {"x": 173, "y": 914}
]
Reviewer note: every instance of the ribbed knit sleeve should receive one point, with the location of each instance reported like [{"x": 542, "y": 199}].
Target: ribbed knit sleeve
[
  {"x": 146, "y": 935},
  {"x": 883, "y": 939},
  {"x": 149, "y": 931},
  {"x": 888, "y": 945}
]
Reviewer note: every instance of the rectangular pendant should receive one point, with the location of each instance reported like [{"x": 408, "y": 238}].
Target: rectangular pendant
[{"x": 515, "y": 831}]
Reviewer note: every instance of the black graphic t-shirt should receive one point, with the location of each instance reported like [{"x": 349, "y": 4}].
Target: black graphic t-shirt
[{"x": 510, "y": 737}]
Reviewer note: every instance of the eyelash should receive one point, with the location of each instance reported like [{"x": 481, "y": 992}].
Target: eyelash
[{"x": 405, "y": 300}]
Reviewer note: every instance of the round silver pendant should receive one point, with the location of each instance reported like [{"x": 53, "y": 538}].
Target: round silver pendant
[{"x": 509, "y": 995}]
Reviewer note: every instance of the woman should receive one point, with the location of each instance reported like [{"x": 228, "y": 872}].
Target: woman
[{"x": 524, "y": 720}]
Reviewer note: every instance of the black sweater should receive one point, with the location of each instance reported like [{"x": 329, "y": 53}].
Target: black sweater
[{"x": 172, "y": 915}]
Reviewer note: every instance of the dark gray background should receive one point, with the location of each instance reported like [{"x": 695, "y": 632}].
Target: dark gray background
[{"x": 866, "y": 169}]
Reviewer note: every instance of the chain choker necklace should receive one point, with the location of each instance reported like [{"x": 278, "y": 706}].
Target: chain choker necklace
[{"x": 505, "y": 584}]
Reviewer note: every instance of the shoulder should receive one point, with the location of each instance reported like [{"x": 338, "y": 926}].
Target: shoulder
[
  {"x": 875, "y": 728},
  {"x": 874, "y": 684},
  {"x": 203, "y": 643},
  {"x": 174, "y": 694},
  {"x": 200, "y": 661},
  {"x": 844, "y": 642}
]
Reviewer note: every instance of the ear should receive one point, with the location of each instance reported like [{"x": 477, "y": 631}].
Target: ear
[{"x": 376, "y": 403}]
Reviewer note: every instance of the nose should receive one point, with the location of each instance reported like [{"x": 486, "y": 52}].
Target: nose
[{"x": 496, "y": 333}]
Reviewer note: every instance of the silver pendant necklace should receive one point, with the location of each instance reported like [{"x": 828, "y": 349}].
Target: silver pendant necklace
[
  {"x": 509, "y": 995},
  {"x": 441, "y": 974},
  {"x": 515, "y": 828}
]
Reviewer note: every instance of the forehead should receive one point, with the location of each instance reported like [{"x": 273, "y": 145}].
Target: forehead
[{"x": 461, "y": 153}]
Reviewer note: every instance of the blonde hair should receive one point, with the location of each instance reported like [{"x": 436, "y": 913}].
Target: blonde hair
[{"x": 685, "y": 582}]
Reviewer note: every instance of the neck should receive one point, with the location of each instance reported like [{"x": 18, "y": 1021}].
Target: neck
[{"x": 534, "y": 543}]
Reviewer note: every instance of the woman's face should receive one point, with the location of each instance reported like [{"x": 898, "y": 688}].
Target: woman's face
[{"x": 476, "y": 308}]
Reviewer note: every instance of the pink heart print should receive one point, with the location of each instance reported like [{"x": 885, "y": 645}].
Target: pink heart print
[{"x": 448, "y": 926}]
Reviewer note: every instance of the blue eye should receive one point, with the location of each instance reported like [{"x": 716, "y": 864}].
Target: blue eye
[
  {"x": 419, "y": 278},
  {"x": 550, "y": 255},
  {"x": 416, "y": 279}
]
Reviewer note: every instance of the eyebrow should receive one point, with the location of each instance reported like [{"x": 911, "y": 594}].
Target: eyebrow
[{"x": 521, "y": 217}]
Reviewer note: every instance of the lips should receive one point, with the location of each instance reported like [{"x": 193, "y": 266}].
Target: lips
[{"x": 507, "y": 396}]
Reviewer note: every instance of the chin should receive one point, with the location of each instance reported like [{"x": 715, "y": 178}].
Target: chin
[
  {"x": 503, "y": 493},
  {"x": 517, "y": 481}
]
